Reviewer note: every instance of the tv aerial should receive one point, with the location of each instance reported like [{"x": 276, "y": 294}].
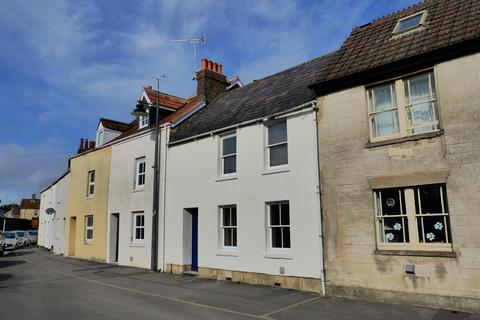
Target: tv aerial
[{"x": 195, "y": 42}]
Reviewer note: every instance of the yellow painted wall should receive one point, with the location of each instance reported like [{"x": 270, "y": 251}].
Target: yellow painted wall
[{"x": 79, "y": 205}]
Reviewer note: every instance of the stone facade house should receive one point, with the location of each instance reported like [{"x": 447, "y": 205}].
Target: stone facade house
[{"x": 399, "y": 139}]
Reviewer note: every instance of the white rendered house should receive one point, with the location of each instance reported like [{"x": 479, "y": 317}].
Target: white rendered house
[
  {"x": 51, "y": 229},
  {"x": 242, "y": 195}
]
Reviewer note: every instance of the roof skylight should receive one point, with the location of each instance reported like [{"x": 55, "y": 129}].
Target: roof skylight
[{"x": 411, "y": 22}]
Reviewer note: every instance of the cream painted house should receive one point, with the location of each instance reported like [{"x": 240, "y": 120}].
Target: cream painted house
[
  {"x": 399, "y": 139},
  {"x": 51, "y": 228},
  {"x": 242, "y": 200}
]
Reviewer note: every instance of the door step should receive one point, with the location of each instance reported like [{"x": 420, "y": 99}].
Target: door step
[{"x": 190, "y": 273}]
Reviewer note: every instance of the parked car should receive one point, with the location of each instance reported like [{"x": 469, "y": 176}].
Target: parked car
[
  {"x": 11, "y": 240},
  {"x": 2, "y": 244},
  {"x": 22, "y": 239},
  {"x": 33, "y": 236}
]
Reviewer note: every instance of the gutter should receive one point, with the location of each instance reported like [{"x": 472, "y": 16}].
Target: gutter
[
  {"x": 319, "y": 203},
  {"x": 307, "y": 105}
]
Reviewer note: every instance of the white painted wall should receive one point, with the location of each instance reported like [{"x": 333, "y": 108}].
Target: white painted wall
[
  {"x": 124, "y": 199},
  {"x": 192, "y": 182},
  {"x": 51, "y": 231}
]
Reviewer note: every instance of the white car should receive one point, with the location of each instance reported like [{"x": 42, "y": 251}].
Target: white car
[
  {"x": 2, "y": 244},
  {"x": 22, "y": 239},
  {"x": 33, "y": 236},
  {"x": 11, "y": 240}
]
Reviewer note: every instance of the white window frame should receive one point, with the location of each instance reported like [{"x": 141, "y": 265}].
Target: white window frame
[
  {"x": 268, "y": 146},
  {"x": 134, "y": 239},
  {"x": 100, "y": 138},
  {"x": 223, "y": 228},
  {"x": 138, "y": 174},
  {"x": 88, "y": 228},
  {"x": 143, "y": 121},
  {"x": 420, "y": 24},
  {"x": 403, "y": 107},
  {"x": 223, "y": 156},
  {"x": 270, "y": 227},
  {"x": 410, "y": 217},
  {"x": 90, "y": 183}
]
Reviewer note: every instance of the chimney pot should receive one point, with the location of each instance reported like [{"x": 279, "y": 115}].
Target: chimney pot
[
  {"x": 215, "y": 67},
  {"x": 204, "y": 63},
  {"x": 209, "y": 65},
  {"x": 85, "y": 145},
  {"x": 33, "y": 196},
  {"x": 219, "y": 70}
]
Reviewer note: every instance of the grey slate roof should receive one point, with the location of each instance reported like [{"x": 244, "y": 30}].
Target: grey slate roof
[{"x": 276, "y": 93}]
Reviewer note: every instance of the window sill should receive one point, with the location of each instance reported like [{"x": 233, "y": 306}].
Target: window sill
[
  {"x": 278, "y": 255},
  {"x": 227, "y": 253},
  {"x": 89, "y": 197},
  {"x": 416, "y": 253},
  {"x": 88, "y": 242},
  {"x": 137, "y": 245},
  {"x": 138, "y": 190},
  {"x": 416, "y": 137},
  {"x": 226, "y": 178},
  {"x": 275, "y": 170}
]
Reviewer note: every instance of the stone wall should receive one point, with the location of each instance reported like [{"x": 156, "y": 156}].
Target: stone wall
[{"x": 353, "y": 265}]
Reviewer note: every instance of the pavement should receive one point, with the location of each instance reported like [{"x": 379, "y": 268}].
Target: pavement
[{"x": 35, "y": 284}]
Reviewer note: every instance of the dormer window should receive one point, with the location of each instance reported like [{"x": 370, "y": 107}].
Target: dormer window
[
  {"x": 143, "y": 122},
  {"x": 411, "y": 22},
  {"x": 100, "y": 138}
]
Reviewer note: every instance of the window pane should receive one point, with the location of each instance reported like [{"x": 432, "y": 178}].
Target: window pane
[
  {"x": 383, "y": 99},
  {"x": 234, "y": 216},
  {"x": 276, "y": 237},
  {"x": 285, "y": 210},
  {"x": 286, "y": 237},
  {"x": 142, "y": 233},
  {"x": 91, "y": 189},
  {"x": 278, "y": 155},
  {"x": 89, "y": 221},
  {"x": 409, "y": 23},
  {"x": 90, "y": 234},
  {"x": 421, "y": 113},
  {"x": 393, "y": 229},
  {"x": 430, "y": 199},
  {"x": 137, "y": 233},
  {"x": 435, "y": 229},
  {"x": 227, "y": 241},
  {"x": 229, "y": 164},
  {"x": 226, "y": 217},
  {"x": 92, "y": 176},
  {"x": 229, "y": 146},
  {"x": 277, "y": 133},
  {"x": 234, "y": 237},
  {"x": 392, "y": 204},
  {"x": 274, "y": 215},
  {"x": 385, "y": 123},
  {"x": 419, "y": 88}
]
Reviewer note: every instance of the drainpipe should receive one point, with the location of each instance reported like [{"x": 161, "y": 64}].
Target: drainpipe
[
  {"x": 319, "y": 202},
  {"x": 167, "y": 137}
]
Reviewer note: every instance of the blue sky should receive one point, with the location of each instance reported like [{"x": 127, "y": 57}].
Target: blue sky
[{"x": 65, "y": 64}]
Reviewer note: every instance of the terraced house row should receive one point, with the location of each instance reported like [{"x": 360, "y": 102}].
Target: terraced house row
[{"x": 355, "y": 174}]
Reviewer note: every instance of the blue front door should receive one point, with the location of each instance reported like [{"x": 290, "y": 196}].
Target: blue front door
[{"x": 195, "y": 241}]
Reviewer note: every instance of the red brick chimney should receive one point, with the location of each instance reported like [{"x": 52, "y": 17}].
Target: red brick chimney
[{"x": 210, "y": 80}]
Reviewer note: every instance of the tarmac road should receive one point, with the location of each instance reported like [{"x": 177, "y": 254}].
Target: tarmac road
[{"x": 35, "y": 284}]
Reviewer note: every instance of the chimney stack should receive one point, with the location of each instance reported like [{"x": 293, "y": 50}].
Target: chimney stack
[
  {"x": 33, "y": 196},
  {"x": 210, "y": 80},
  {"x": 80, "y": 148},
  {"x": 91, "y": 145}
]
